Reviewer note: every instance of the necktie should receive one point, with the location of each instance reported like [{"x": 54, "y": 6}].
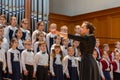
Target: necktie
[{"x": 65, "y": 47}]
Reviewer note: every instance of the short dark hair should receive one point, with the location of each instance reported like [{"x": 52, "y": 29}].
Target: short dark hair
[{"x": 41, "y": 43}]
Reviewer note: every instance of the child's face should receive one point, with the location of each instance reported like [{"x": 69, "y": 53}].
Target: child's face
[
  {"x": 14, "y": 21},
  {"x": 41, "y": 27},
  {"x": 25, "y": 25},
  {"x": 41, "y": 37},
  {"x": 117, "y": 56},
  {"x": 43, "y": 47},
  {"x": 71, "y": 51},
  {"x": 77, "y": 29},
  {"x": 65, "y": 42},
  {"x": 28, "y": 45},
  {"x": 106, "y": 48},
  {"x": 15, "y": 43},
  {"x": 76, "y": 43},
  {"x": 2, "y": 20},
  {"x": 53, "y": 28},
  {"x": 97, "y": 43},
  {"x": 58, "y": 40},
  {"x": 19, "y": 34},
  {"x": 64, "y": 30},
  {"x": 57, "y": 50},
  {"x": 95, "y": 54},
  {"x": 118, "y": 45}
]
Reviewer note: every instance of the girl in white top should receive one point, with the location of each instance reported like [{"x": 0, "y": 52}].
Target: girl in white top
[
  {"x": 40, "y": 28},
  {"x": 40, "y": 37},
  {"x": 13, "y": 60},
  {"x": 65, "y": 46},
  {"x": 18, "y": 35},
  {"x": 56, "y": 67},
  {"x": 57, "y": 40},
  {"x": 76, "y": 45},
  {"x": 70, "y": 65}
]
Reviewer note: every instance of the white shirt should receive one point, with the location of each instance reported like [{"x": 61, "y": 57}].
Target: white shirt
[
  {"x": 6, "y": 32},
  {"x": 57, "y": 61},
  {"x": 41, "y": 59},
  {"x": 27, "y": 33},
  {"x": 100, "y": 69},
  {"x": 65, "y": 63},
  {"x": 48, "y": 36},
  {"x": 35, "y": 46},
  {"x": 76, "y": 52},
  {"x": 97, "y": 49},
  {"x": 5, "y": 44},
  {"x": 16, "y": 58},
  {"x": 27, "y": 58},
  {"x": 20, "y": 44},
  {"x": 64, "y": 51},
  {"x": 2, "y": 58}
]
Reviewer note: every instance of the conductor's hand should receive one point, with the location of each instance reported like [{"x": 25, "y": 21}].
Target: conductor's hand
[{"x": 65, "y": 35}]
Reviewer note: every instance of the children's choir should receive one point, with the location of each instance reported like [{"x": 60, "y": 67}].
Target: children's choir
[{"x": 49, "y": 56}]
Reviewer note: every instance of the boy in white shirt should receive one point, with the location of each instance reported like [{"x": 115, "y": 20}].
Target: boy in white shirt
[{"x": 41, "y": 60}]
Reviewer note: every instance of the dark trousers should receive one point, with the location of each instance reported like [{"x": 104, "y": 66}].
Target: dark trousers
[
  {"x": 1, "y": 66},
  {"x": 107, "y": 75},
  {"x": 16, "y": 71},
  {"x": 42, "y": 73},
  {"x": 116, "y": 76},
  {"x": 30, "y": 72}
]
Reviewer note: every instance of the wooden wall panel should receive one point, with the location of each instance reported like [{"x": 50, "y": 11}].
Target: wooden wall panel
[
  {"x": 115, "y": 27},
  {"x": 61, "y": 20},
  {"x": 107, "y": 23}
]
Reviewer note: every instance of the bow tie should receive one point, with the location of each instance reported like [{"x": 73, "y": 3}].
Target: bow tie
[
  {"x": 29, "y": 50},
  {"x": 65, "y": 47},
  {"x": 43, "y": 52}
]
